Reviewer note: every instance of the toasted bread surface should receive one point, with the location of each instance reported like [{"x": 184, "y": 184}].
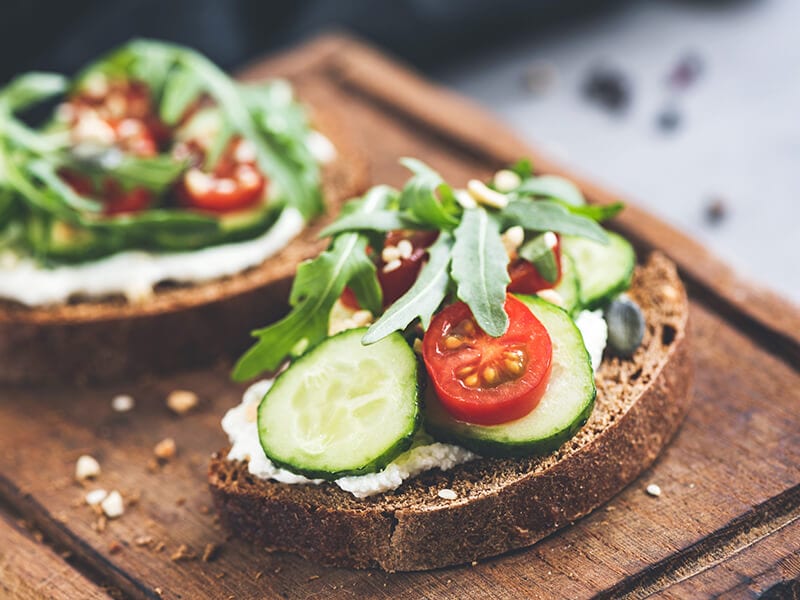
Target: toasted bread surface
[
  {"x": 181, "y": 325},
  {"x": 501, "y": 504}
]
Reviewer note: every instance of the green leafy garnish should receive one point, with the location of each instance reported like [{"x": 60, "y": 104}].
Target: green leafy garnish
[
  {"x": 32, "y": 157},
  {"x": 424, "y": 297},
  {"x": 552, "y": 186},
  {"x": 539, "y": 252},
  {"x": 480, "y": 268},
  {"x": 468, "y": 261},
  {"x": 317, "y": 286}
]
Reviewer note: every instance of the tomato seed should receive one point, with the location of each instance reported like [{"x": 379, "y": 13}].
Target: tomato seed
[
  {"x": 451, "y": 342},
  {"x": 464, "y": 371},
  {"x": 490, "y": 375},
  {"x": 513, "y": 366},
  {"x": 471, "y": 381}
]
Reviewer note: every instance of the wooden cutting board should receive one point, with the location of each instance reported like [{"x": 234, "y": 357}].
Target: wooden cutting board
[{"x": 727, "y": 521}]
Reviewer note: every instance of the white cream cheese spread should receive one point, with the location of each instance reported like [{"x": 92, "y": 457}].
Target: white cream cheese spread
[
  {"x": 240, "y": 425},
  {"x": 134, "y": 273}
]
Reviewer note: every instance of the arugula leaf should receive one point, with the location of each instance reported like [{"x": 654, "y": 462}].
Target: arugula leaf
[
  {"x": 538, "y": 252},
  {"x": 422, "y": 299},
  {"x": 156, "y": 221},
  {"x": 317, "y": 286},
  {"x": 552, "y": 186},
  {"x": 31, "y": 88},
  {"x": 523, "y": 168},
  {"x": 419, "y": 199},
  {"x": 546, "y": 215},
  {"x": 383, "y": 221},
  {"x": 480, "y": 268},
  {"x": 596, "y": 212},
  {"x": 46, "y": 173},
  {"x": 181, "y": 89}
]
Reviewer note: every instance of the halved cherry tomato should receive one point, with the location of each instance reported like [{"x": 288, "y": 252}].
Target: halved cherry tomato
[
  {"x": 236, "y": 181},
  {"x": 401, "y": 275},
  {"x": 485, "y": 380},
  {"x": 525, "y": 277}
]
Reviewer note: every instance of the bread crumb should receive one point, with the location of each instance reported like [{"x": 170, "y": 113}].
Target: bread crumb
[
  {"x": 165, "y": 449},
  {"x": 114, "y": 547},
  {"x": 143, "y": 540},
  {"x": 159, "y": 547},
  {"x": 447, "y": 494},
  {"x": 182, "y": 553},
  {"x": 313, "y": 577},
  {"x": 653, "y": 490},
  {"x": 258, "y": 575},
  {"x": 100, "y": 525},
  {"x": 86, "y": 467},
  {"x": 112, "y": 505},
  {"x": 210, "y": 552},
  {"x": 180, "y": 501},
  {"x": 95, "y": 497},
  {"x": 122, "y": 403},
  {"x": 181, "y": 401},
  {"x": 474, "y": 563},
  {"x": 153, "y": 466}
]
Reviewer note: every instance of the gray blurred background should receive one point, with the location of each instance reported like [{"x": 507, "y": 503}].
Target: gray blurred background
[{"x": 692, "y": 108}]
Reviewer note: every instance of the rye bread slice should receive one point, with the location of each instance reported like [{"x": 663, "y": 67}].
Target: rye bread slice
[
  {"x": 501, "y": 504},
  {"x": 181, "y": 326}
]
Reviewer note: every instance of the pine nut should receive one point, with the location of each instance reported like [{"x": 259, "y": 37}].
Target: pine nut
[
  {"x": 392, "y": 266},
  {"x": 390, "y": 254},
  {"x": 485, "y": 195},
  {"x": 405, "y": 249},
  {"x": 512, "y": 239},
  {"x": 505, "y": 180}
]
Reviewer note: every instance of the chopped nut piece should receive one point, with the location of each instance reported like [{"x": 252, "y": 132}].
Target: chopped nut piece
[
  {"x": 86, "y": 467},
  {"x": 464, "y": 198},
  {"x": 390, "y": 253},
  {"x": 505, "y": 180},
  {"x": 143, "y": 540},
  {"x": 210, "y": 552},
  {"x": 512, "y": 239},
  {"x": 182, "y": 553},
  {"x": 405, "y": 249},
  {"x": 95, "y": 497},
  {"x": 122, "y": 403},
  {"x": 165, "y": 449},
  {"x": 112, "y": 505},
  {"x": 182, "y": 401},
  {"x": 447, "y": 494},
  {"x": 653, "y": 490},
  {"x": 483, "y": 194},
  {"x": 392, "y": 266}
]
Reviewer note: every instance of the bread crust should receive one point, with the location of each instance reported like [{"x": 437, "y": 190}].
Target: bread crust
[
  {"x": 502, "y": 504},
  {"x": 180, "y": 326}
]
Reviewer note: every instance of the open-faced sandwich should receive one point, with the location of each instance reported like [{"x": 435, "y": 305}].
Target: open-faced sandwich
[
  {"x": 445, "y": 390},
  {"x": 139, "y": 202}
]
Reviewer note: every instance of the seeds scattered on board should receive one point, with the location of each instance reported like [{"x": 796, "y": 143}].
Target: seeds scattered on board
[
  {"x": 447, "y": 494},
  {"x": 122, "y": 403},
  {"x": 653, "y": 490},
  {"x": 165, "y": 449},
  {"x": 113, "y": 505},
  {"x": 86, "y": 467},
  {"x": 182, "y": 401},
  {"x": 95, "y": 497}
]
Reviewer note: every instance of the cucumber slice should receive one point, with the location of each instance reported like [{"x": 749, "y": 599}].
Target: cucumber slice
[
  {"x": 342, "y": 408},
  {"x": 569, "y": 288},
  {"x": 563, "y": 409},
  {"x": 604, "y": 270}
]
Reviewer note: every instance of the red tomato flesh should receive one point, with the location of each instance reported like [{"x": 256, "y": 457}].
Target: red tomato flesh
[
  {"x": 485, "y": 380},
  {"x": 236, "y": 182},
  {"x": 526, "y": 279},
  {"x": 404, "y": 272}
]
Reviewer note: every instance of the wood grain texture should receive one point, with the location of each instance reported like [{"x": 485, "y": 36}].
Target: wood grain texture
[
  {"x": 31, "y": 571},
  {"x": 738, "y": 450}
]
